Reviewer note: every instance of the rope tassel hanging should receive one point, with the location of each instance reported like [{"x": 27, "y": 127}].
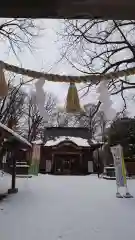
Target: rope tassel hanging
[
  {"x": 72, "y": 101},
  {"x": 3, "y": 83}
]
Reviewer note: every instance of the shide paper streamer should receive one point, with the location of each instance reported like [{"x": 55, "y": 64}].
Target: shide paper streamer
[
  {"x": 40, "y": 99},
  {"x": 106, "y": 102}
]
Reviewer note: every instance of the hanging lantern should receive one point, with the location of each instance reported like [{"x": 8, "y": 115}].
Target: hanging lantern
[
  {"x": 72, "y": 101},
  {"x": 3, "y": 83}
]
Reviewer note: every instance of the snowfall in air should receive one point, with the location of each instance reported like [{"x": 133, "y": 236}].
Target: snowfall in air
[{"x": 66, "y": 208}]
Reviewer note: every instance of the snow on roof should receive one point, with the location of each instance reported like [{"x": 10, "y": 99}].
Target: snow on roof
[
  {"x": 16, "y": 135},
  {"x": 94, "y": 141},
  {"x": 109, "y": 167},
  {"x": 77, "y": 140},
  {"x": 39, "y": 141}
]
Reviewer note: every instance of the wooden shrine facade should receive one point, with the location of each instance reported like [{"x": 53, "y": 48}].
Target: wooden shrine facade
[
  {"x": 67, "y": 155},
  {"x": 65, "y": 158}
]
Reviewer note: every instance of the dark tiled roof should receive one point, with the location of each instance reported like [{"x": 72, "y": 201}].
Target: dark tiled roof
[{"x": 53, "y": 132}]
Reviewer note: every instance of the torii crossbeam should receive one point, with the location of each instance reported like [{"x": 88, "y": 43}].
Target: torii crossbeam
[{"x": 107, "y": 9}]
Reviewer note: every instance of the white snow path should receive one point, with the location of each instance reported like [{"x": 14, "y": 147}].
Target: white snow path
[{"x": 67, "y": 208}]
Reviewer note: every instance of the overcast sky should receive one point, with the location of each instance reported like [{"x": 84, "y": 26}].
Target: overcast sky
[{"x": 45, "y": 57}]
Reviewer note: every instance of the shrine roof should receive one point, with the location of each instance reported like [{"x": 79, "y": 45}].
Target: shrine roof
[
  {"x": 10, "y": 133},
  {"x": 80, "y": 142}
]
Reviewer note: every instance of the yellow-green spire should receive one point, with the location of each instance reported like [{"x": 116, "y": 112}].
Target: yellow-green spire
[{"x": 72, "y": 101}]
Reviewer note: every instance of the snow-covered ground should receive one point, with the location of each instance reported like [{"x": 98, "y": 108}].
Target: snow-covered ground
[{"x": 67, "y": 208}]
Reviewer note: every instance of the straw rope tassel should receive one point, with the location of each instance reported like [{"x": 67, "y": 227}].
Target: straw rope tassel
[
  {"x": 3, "y": 83},
  {"x": 72, "y": 101}
]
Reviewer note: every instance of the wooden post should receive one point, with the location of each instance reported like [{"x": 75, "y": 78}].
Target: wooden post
[
  {"x": 13, "y": 189},
  {"x": 13, "y": 172},
  {"x": 53, "y": 164},
  {"x": 80, "y": 165},
  {"x": 98, "y": 163}
]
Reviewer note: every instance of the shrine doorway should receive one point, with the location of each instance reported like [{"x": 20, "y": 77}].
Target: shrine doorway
[{"x": 67, "y": 163}]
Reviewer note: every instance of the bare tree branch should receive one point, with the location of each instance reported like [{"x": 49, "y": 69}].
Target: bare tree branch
[
  {"x": 19, "y": 33},
  {"x": 99, "y": 46}
]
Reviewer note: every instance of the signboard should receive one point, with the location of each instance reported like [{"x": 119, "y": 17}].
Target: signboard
[
  {"x": 34, "y": 168},
  {"x": 48, "y": 166},
  {"x": 120, "y": 170},
  {"x": 4, "y": 160},
  {"x": 90, "y": 167}
]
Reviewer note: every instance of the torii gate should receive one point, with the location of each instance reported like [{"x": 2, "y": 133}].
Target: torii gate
[{"x": 106, "y": 9}]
